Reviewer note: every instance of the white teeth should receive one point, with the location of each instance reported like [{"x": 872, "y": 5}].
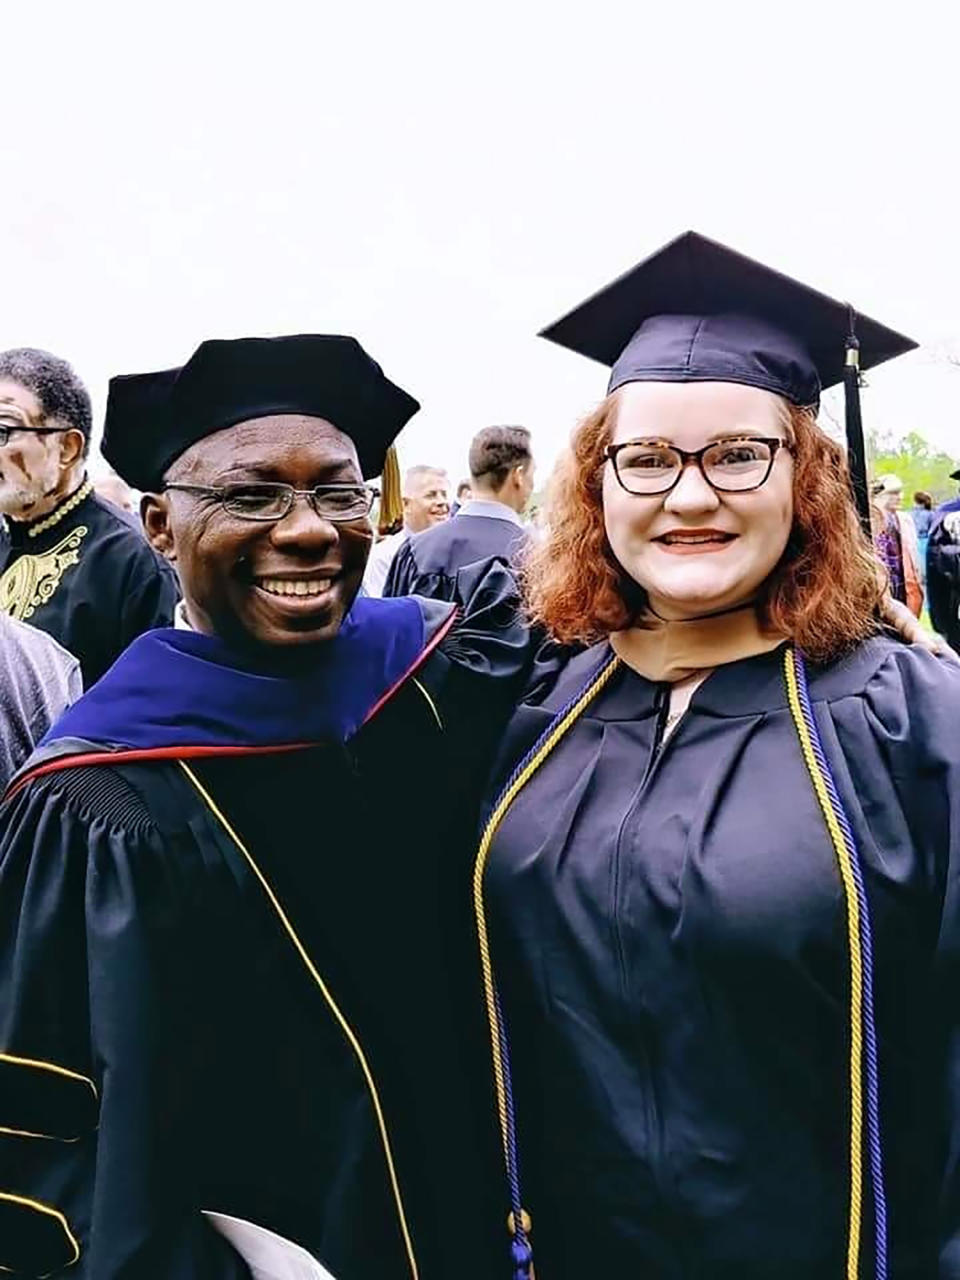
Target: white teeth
[{"x": 293, "y": 586}]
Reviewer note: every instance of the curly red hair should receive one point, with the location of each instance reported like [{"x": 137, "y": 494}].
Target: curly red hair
[{"x": 823, "y": 593}]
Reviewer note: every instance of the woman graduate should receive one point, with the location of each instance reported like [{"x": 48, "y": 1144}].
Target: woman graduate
[
  {"x": 235, "y": 939},
  {"x": 717, "y": 895}
]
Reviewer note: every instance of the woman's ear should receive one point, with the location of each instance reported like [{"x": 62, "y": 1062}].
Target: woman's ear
[{"x": 155, "y": 514}]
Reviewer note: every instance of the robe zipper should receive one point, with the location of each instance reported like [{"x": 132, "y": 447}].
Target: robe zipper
[
  {"x": 662, "y": 710},
  {"x": 661, "y": 704}
]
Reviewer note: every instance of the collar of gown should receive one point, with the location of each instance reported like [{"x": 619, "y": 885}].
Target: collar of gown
[{"x": 672, "y": 651}]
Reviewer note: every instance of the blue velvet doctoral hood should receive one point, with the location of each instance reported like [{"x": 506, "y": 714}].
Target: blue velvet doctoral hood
[{"x": 173, "y": 689}]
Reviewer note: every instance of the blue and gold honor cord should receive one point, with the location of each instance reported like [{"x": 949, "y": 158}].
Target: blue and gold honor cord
[{"x": 863, "y": 1064}]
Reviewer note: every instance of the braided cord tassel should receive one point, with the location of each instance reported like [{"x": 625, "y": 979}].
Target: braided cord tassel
[
  {"x": 519, "y": 1222},
  {"x": 863, "y": 1039}
]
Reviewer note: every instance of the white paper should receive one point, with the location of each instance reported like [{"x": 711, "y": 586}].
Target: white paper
[{"x": 269, "y": 1256}]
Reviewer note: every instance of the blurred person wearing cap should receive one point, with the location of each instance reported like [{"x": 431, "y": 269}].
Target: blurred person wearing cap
[
  {"x": 487, "y": 527},
  {"x": 716, "y": 890},
  {"x": 73, "y": 565},
  {"x": 895, "y": 538},
  {"x": 426, "y": 502},
  {"x": 38, "y": 681},
  {"x": 116, "y": 491},
  {"x": 237, "y": 988},
  {"x": 943, "y": 568}
]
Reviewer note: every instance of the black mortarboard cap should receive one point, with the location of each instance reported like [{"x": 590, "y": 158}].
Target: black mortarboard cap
[
  {"x": 153, "y": 417},
  {"x": 696, "y": 311}
]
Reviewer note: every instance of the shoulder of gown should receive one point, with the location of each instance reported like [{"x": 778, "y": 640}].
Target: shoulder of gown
[{"x": 106, "y": 899}]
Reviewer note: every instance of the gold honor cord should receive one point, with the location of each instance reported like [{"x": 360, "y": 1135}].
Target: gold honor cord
[
  {"x": 430, "y": 702},
  {"x": 49, "y": 1212},
  {"x": 856, "y": 964},
  {"x": 344, "y": 1025},
  {"x": 540, "y": 754}
]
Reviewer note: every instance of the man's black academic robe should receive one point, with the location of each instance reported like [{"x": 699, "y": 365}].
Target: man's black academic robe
[
  {"x": 86, "y": 574},
  {"x": 427, "y": 564},
  {"x": 943, "y": 571},
  {"x": 261, "y": 976}
]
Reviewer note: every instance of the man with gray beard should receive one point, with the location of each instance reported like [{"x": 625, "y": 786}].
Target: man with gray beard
[{"x": 72, "y": 564}]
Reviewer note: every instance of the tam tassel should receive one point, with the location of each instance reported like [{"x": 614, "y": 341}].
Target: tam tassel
[
  {"x": 856, "y": 447},
  {"x": 391, "y": 493}
]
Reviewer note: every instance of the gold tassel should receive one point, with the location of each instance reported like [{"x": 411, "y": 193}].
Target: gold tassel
[{"x": 391, "y": 493}]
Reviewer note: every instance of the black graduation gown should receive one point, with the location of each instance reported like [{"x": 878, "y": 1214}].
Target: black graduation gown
[
  {"x": 669, "y": 936},
  {"x": 943, "y": 571},
  {"x": 427, "y": 564},
  {"x": 89, "y": 578},
  {"x": 244, "y": 1061}
]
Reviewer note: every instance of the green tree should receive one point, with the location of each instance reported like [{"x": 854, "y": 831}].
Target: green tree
[{"x": 912, "y": 458}]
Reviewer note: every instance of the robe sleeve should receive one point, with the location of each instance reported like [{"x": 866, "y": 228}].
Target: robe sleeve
[
  {"x": 98, "y": 942},
  {"x": 492, "y": 638},
  {"x": 913, "y": 713},
  {"x": 402, "y": 574}
]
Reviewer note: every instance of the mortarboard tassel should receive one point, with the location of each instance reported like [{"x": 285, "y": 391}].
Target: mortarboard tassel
[
  {"x": 391, "y": 493},
  {"x": 856, "y": 449}
]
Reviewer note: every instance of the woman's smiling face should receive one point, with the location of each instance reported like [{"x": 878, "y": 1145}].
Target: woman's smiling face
[{"x": 695, "y": 550}]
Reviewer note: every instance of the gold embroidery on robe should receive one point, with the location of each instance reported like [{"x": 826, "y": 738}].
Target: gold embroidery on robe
[{"x": 31, "y": 581}]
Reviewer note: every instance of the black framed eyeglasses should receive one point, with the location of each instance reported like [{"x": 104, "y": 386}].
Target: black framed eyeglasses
[
  {"x": 737, "y": 465},
  {"x": 264, "y": 501},
  {"x": 8, "y": 428}
]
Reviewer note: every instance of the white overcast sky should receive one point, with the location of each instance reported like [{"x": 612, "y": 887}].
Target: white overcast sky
[{"x": 443, "y": 179}]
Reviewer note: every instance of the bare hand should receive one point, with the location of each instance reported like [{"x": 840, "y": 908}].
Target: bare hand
[{"x": 908, "y": 627}]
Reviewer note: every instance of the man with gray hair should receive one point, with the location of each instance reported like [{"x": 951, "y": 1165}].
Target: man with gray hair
[
  {"x": 71, "y": 564},
  {"x": 38, "y": 681},
  {"x": 426, "y": 502}
]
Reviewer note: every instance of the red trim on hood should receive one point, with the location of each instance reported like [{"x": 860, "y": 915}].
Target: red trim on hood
[{"x": 418, "y": 663}]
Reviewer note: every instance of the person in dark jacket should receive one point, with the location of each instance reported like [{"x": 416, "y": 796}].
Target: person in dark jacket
[
  {"x": 71, "y": 563},
  {"x": 487, "y": 526},
  {"x": 943, "y": 569}
]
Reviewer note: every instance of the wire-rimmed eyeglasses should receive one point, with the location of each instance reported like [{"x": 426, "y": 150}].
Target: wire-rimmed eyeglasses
[
  {"x": 265, "y": 501},
  {"x": 736, "y": 465}
]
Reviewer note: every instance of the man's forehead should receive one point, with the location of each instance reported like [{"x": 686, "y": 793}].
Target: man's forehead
[{"x": 426, "y": 481}]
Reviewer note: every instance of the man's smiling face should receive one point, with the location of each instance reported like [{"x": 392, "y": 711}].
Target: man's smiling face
[{"x": 281, "y": 583}]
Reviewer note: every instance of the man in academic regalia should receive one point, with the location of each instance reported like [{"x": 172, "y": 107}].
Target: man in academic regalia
[
  {"x": 234, "y": 986},
  {"x": 487, "y": 526},
  {"x": 71, "y": 563}
]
